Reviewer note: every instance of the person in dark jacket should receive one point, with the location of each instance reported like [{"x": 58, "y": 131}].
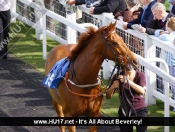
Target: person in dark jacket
[
  {"x": 109, "y": 6},
  {"x": 158, "y": 21},
  {"x": 132, "y": 12},
  {"x": 143, "y": 17}
]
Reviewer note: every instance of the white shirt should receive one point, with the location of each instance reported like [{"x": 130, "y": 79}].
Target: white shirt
[
  {"x": 4, "y": 5},
  {"x": 164, "y": 19}
]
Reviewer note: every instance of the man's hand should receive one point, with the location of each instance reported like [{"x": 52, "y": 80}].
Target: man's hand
[
  {"x": 91, "y": 10},
  {"x": 163, "y": 32},
  {"x": 124, "y": 24},
  {"x": 142, "y": 29}
]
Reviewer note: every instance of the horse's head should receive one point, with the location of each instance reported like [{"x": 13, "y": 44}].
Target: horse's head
[{"x": 116, "y": 49}]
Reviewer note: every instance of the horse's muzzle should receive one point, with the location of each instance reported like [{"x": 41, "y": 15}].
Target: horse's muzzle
[{"x": 135, "y": 63}]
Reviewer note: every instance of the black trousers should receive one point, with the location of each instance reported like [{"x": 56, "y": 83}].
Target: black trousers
[
  {"x": 5, "y": 17},
  {"x": 143, "y": 112}
]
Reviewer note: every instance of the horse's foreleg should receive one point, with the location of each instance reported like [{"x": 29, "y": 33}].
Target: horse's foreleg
[
  {"x": 58, "y": 109},
  {"x": 70, "y": 128},
  {"x": 94, "y": 128}
]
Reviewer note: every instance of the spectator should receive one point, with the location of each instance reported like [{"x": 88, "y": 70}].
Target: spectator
[
  {"x": 109, "y": 6},
  {"x": 143, "y": 17},
  {"x": 132, "y": 12},
  {"x": 158, "y": 22},
  {"x": 133, "y": 82},
  {"x": 5, "y": 17},
  {"x": 169, "y": 35},
  {"x": 172, "y": 6}
]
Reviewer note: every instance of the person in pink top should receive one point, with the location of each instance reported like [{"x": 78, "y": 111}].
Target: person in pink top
[{"x": 5, "y": 17}]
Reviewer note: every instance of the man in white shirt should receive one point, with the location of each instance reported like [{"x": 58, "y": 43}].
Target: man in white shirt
[{"x": 5, "y": 17}]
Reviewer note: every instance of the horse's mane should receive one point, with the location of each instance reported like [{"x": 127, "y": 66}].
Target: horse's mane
[{"x": 83, "y": 41}]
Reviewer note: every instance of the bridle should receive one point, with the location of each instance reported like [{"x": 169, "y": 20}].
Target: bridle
[
  {"x": 110, "y": 46},
  {"x": 118, "y": 67}
]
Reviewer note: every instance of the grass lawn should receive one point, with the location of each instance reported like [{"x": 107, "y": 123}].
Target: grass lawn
[{"x": 25, "y": 46}]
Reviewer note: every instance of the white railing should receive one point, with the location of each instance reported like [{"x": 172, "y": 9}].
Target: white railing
[{"x": 150, "y": 42}]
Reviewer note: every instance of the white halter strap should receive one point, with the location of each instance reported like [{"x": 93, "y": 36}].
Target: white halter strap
[{"x": 85, "y": 86}]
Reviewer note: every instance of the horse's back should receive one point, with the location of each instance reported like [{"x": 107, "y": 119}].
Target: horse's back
[{"x": 57, "y": 53}]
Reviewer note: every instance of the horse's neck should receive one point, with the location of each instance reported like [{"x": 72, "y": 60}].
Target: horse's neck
[{"x": 88, "y": 64}]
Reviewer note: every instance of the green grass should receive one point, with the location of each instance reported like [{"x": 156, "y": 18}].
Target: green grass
[
  {"x": 25, "y": 46},
  {"x": 28, "y": 49}
]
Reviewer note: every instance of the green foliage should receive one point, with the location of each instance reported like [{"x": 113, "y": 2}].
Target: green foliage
[{"x": 167, "y": 4}]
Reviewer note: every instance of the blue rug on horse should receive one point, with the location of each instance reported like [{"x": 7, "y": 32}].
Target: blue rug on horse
[{"x": 56, "y": 74}]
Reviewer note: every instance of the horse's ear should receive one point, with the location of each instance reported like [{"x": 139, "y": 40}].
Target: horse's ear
[
  {"x": 111, "y": 27},
  {"x": 114, "y": 25}
]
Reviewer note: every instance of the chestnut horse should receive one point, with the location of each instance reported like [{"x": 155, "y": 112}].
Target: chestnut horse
[{"x": 70, "y": 99}]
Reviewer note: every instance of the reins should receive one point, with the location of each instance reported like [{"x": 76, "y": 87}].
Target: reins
[{"x": 122, "y": 101}]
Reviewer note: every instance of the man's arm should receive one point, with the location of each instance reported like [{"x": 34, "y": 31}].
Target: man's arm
[
  {"x": 151, "y": 27},
  {"x": 109, "y": 7}
]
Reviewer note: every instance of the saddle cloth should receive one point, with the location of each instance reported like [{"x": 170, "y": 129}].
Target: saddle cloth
[{"x": 56, "y": 74}]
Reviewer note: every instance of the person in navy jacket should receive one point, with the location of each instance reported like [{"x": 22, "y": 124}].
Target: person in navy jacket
[{"x": 144, "y": 16}]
